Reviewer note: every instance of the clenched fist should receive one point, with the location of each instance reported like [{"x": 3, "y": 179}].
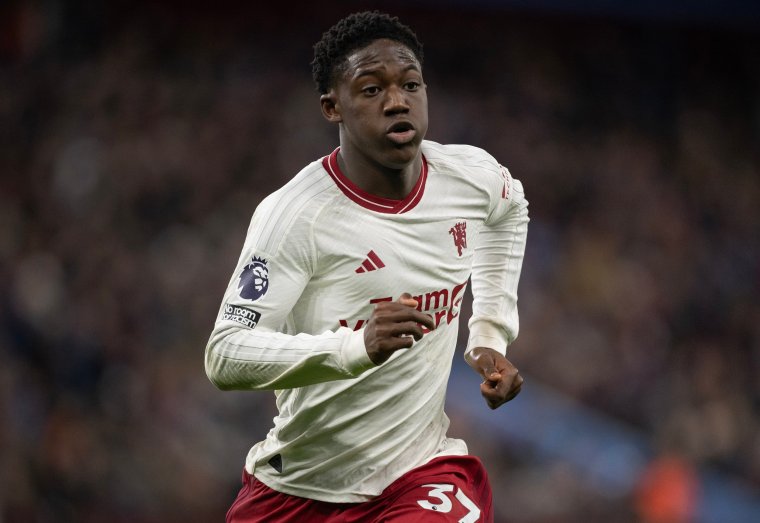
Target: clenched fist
[
  {"x": 394, "y": 326},
  {"x": 501, "y": 380}
]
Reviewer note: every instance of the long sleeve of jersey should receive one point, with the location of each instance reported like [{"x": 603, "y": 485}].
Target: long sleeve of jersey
[
  {"x": 496, "y": 268},
  {"x": 252, "y": 345}
]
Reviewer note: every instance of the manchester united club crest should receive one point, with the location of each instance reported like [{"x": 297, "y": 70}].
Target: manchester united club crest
[
  {"x": 459, "y": 233},
  {"x": 254, "y": 281}
]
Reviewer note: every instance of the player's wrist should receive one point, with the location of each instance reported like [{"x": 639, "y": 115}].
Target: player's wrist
[
  {"x": 354, "y": 356},
  {"x": 492, "y": 341}
]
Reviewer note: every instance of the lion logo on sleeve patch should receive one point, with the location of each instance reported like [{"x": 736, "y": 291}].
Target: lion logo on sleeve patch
[{"x": 254, "y": 281}]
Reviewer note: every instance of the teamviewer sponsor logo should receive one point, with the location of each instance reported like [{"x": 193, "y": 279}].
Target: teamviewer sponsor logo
[
  {"x": 443, "y": 305},
  {"x": 242, "y": 315}
]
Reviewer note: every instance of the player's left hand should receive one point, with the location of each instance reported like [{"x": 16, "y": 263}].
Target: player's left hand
[{"x": 501, "y": 380}]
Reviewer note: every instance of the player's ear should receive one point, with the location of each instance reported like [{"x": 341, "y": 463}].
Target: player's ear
[{"x": 330, "y": 107}]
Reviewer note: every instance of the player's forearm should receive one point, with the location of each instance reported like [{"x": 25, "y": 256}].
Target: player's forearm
[
  {"x": 244, "y": 359},
  {"x": 495, "y": 277}
]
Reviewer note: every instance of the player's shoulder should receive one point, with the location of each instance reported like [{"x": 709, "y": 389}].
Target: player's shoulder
[
  {"x": 292, "y": 209},
  {"x": 470, "y": 168},
  {"x": 460, "y": 158}
]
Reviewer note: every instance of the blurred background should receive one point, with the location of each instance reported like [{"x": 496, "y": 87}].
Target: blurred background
[{"x": 137, "y": 138}]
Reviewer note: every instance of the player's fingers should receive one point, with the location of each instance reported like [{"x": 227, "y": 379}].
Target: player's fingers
[
  {"x": 407, "y": 300},
  {"x": 489, "y": 393},
  {"x": 407, "y": 328},
  {"x": 514, "y": 389},
  {"x": 406, "y": 314},
  {"x": 424, "y": 319},
  {"x": 391, "y": 345},
  {"x": 489, "y": 372},
  {"x": 385, "y": 348},
  {"x": 497, "y": 392},
  {"x": 486, "y": 363},
  {"x": 510, "y": 380}
]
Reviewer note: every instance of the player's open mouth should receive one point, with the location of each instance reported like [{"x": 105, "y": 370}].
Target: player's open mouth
[{"x": 401, "y": 132}]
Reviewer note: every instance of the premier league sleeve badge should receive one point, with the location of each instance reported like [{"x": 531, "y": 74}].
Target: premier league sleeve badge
[{"x": 254, "y": 280}]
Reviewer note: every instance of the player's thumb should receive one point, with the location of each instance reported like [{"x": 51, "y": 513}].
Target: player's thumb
[
  {"x": 488, "y": 370},
  {"x": 406, "y": 299}
]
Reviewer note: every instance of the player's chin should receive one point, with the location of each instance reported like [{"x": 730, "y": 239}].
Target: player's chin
[{"x": 399, "y": 156}]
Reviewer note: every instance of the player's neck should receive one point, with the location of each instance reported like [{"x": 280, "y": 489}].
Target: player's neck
[{"x": 376, "y": 179}]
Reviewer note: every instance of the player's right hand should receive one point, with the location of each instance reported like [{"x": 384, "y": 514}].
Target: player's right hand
[{"x": 393, "y": 326}]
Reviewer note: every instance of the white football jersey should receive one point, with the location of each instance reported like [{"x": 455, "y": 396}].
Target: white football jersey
[{"x": 318, "y": 256}]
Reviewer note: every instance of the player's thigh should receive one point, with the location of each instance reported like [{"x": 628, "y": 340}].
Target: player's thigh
[
  {"x": 257, "y": 503},
  {"x": 449, "y": 500}
]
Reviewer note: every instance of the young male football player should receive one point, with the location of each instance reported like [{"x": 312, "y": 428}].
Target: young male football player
[{"x": 346, "y": 298}]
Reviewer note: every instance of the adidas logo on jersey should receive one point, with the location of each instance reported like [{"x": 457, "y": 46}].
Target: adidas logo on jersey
[{"x": 371, "y": 263}]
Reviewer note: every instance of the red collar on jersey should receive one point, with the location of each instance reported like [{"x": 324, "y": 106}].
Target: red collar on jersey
[{"x": 370, "y": 201}]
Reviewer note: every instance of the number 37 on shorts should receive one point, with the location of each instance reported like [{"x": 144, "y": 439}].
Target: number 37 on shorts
[{"x": 444, "y": 498}]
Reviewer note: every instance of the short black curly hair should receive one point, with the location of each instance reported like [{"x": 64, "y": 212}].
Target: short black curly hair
[{"x": 354, "y": 32}]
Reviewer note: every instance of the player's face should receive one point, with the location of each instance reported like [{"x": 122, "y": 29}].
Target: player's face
[{"x": 381, "y": 103}]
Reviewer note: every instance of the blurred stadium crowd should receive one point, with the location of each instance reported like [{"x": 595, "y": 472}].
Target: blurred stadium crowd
[{"x": 135, "y": 144}]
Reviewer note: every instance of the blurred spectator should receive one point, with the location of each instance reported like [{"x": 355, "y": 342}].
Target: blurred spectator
[{"x": 668, "y": 491}]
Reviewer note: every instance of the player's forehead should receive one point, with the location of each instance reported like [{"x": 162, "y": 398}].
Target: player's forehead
[{"x": 378, "y": 54}]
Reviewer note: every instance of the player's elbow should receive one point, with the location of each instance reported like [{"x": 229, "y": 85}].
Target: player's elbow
[
  {"x": 218, "y": 381},
  {"x": 215, "y": 369}
]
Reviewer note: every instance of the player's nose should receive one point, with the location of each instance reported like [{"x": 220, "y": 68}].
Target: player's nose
[{"x": 396, "y": 101}]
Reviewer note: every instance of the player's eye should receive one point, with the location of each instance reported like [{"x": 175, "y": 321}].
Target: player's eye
[
  {"x": 371, "y": 90},
  {"x": 412, "y": 86}
]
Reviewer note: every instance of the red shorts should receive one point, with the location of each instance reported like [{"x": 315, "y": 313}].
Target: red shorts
[{"x": 452, "y": 489}]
